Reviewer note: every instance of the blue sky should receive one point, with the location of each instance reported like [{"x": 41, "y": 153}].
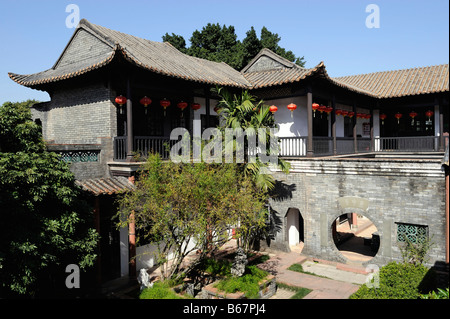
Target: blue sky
[{"x": 412, "y": 33}]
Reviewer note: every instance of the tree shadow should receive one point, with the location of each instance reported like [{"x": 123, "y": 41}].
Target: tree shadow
[{"x": 282, "y": 191}]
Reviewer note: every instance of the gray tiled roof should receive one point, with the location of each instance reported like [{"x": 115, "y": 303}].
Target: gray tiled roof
[
  {"x": 430, "y": 79},
  {"x": 159, "y": 57},
  {"x": 98, "y": 186},
  {"x": 163, "y": 58}
]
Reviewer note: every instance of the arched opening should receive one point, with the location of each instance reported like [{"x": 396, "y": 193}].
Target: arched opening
[
  {"x": 295, "y": 229},
  {"x": 356, "y": 237}
]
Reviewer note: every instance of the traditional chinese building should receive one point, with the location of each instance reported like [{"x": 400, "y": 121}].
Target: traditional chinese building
[{"x": 368, "y": 144}]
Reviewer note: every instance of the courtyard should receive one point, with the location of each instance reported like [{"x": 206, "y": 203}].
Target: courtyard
[{"x": 324, "y": 279}]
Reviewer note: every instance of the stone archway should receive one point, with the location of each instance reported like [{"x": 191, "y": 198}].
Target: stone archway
[{"x": 354, "y": 233}]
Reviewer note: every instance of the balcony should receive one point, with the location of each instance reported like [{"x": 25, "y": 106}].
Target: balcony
[{"x": 292, "y": 147}]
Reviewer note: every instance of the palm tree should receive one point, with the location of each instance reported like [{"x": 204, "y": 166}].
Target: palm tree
[{"x": 245, "y": 112}]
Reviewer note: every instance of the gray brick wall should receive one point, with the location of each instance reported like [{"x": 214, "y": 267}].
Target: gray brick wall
[
  {"x": 83, "y": 47},
  {"x": 406, "y": 191},
  {"x": 81, "y": 116}
]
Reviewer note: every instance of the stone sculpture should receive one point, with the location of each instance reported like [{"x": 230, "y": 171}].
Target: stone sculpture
[
  {"x": 144, "y": 279},
  {"x": 239, "y": 263}
]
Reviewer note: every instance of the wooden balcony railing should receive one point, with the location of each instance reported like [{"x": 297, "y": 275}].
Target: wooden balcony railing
[{"x": 296, "y": 146}]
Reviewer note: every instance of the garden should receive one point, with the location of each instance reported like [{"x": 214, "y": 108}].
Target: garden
[{"x": 227, "y": 275}]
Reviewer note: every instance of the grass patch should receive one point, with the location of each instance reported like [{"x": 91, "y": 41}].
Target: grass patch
[
  {"x": 160, "y": 290},
  {"x": 299, "y": 268},
  {"x": 300, "y": 292}
]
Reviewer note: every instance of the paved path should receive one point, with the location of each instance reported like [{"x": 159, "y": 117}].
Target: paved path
[{"x": 322, "y": 288}]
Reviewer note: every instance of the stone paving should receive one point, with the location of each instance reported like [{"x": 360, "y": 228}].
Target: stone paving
[{"x": 322, "y": 288}]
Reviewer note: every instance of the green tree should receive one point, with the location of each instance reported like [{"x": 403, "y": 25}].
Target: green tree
[
  {"x": 270, "y": 40},
  {"x": 176, "y": 40},
  {"x": 44, "y": 224},
  {"x": 220, "y": 44},
  {"x": 251, "y": 46},
  {"x": 175, "y": 204},
  {"x": 216, "y": 43}
]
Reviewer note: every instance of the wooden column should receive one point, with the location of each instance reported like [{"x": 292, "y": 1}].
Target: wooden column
[
  {"x": 333, "y": 124},
  {"x": 207, "y": 107},
  {"x": 441, "y": 127},
  {"x": 132, "y": 242},
  {"x": 309, "y": 145},
  {"x": 130, "y": 138},
  {"x": 355, "y": 138},
  {"x": 372, "y": 138},
  {"x": 447, "y": 222}
]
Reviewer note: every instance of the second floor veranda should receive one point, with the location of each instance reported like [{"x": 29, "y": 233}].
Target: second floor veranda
[{"x": 296, "y": 147}]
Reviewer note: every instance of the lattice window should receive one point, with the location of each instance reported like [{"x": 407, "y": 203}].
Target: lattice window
[
  {"x": 79, "y": 156},
  {"x": 414, "y": 233}
]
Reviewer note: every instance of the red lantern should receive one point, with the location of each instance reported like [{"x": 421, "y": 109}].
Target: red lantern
[
  {"x": 196, "y": 106},
  {"x": 398, "y": 116},
  {"x": 412, "y": 114},
  {"x": 328, "y": 109},
  {"x": 315, "y": 107},
  {"x": 146, "y": 101},
  {"x": 291, "y": 107},
  {"x": 351, "y": 114},
  {"x": 273, "y": 109},
  {"x": 121, "y": 100},
  {"x": 338, "y": 112},
  {"x": 382, "y": 118},
  {"x": 165, "y": 104},
  {"x": 322, "y": 108},
  {"x": 429, "y": 113},
  {"x": 182, "y": 105},
  {"x": 344, "y": 113}
]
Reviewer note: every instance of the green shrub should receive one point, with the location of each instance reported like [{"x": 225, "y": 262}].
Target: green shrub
[
  {"x": 248, "y": 283},
  {"x": 160, "y": 290},
  {"x": 216, "y": 267},
  {"x": 398, "y": 281}
]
